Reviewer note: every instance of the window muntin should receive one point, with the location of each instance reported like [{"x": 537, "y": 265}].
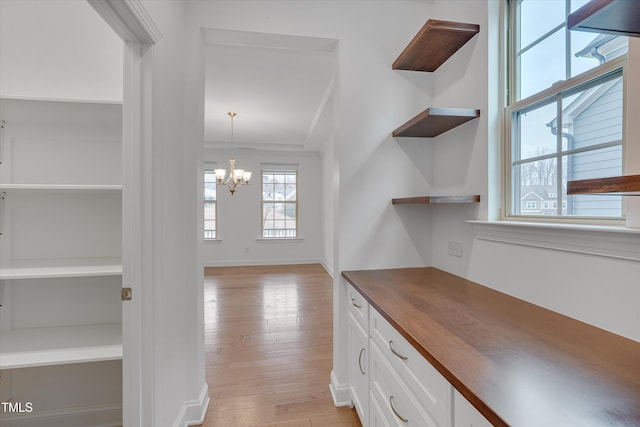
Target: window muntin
[
  {"x": 569, "y": 133},
  {"x": 279, "y": 202},
  {"x": 210, "y": 205}
]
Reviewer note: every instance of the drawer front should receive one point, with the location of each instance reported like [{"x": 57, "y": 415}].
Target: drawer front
[
  {"x": 359, "y": 369},
  {"x": 392, "y": 396},
  {"x": 377, "y": 418},
  {"x": 465, "y": 415},
  {"x": 430, "y": 388},
  {"x": 358, "y": 307}
]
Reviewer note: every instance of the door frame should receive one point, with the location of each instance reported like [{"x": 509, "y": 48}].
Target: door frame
[{"x": 131, "y": 22}]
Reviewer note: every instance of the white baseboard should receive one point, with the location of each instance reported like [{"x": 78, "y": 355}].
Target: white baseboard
[
  {"x": 193, "y": 412},
  {"x": 341, "y": 393},
  {"x": 327, "y": 269},
  {"x": 90, "y": 416},
  {"x": 248, "y": 262}
]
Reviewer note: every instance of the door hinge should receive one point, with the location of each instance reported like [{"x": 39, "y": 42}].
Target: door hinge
[{"x": 125, "y": 294}]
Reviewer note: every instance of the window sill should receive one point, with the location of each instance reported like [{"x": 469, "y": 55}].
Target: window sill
[
  {"x": 604, "y": 241},
  {"x": 212, "y": 241},
  {"x": 279, "y": 239}
]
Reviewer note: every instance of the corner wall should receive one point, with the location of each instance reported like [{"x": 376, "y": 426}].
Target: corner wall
[{"x": 600, "y": 290}]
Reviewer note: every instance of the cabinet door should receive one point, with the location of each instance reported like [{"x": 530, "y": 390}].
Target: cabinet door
[
  {"x": 465, "y": 415},
  {"x": 359, "y": 369}
]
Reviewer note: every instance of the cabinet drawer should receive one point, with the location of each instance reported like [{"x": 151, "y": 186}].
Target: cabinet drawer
[
  {"x": 358, "y": 307},
  {"x": 392, "y": 397},
  {"x": 430, "y": 388},
  {"x": 465, "y": 415},
  {"x": 377, "y": 418}
]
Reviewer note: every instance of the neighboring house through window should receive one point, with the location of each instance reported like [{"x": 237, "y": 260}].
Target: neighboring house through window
[
  {"x": 210, "y": 205},
  {"x": 279, "y": 202},
  {"x": 565, "y": 111}
]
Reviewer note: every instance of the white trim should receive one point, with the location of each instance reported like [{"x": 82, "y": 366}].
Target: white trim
[
  {"x": 237, "y": 263},
  {"x": 278, "y": 239},
  {"x": 341, "y": 393},
  {"x": 129, "y": 19},
  {"x": 193, "y": 412},
  {"x": 90, "y": 416},
  {"x": 611, "y": 242},
  {"x": 328, "y": 269}
]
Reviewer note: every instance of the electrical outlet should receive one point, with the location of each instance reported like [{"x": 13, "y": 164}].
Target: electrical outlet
[{"x": 455, "y": 249}]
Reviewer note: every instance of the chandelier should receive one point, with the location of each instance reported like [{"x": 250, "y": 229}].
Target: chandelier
[{"x": 236, "y": 177}]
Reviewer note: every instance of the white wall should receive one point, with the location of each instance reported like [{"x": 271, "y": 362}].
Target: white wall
[
  {"x": 239, "y": 216},
  {"x": 370, "y": 101},
  {"x": 177, "y": 283},
  {"x": 599, "y": 290},
  {"x": 329, "y": 183},
  {"x": 58, "y": 50}
]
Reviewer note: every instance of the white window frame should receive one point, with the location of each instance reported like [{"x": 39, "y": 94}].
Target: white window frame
[
  {"x": 280, "y": 168},
  {"x": 513, "y": 105},
  {"x": 209, "y": 168}
]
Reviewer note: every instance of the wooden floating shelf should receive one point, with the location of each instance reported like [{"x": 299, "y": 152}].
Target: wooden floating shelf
[
  {"x": 435, "y": 121},
  {"x": 436, "y": 42},
  {"x": 627, "y": 185},
  {"x": 24, "y": 348},
  {"x": 434, "y": 200},
  {"x": 618, "y": 17}
]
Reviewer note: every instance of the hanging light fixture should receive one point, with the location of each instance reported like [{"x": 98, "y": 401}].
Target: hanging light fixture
[{"x": 236, "y": 177}]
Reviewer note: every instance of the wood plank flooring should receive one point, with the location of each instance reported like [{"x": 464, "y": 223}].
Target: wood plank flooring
[{"x": 268, "y": 343}]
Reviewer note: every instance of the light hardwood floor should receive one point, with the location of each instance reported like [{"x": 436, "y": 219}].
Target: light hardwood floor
[{"x": 268, "y": 342}]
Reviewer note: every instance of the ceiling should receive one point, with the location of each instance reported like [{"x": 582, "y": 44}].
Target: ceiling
[{"x": 281, "y": 88}]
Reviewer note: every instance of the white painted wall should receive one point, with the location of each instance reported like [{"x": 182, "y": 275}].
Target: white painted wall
[
  {"x": 329, "y": 183},
  {"x": 177, "y": 155},
  {"x": 598, "y": 290},
  {"x": 370, "y": 101},
  {"x": 58, "y": 50},
  {"x": 239, "y": 216}
]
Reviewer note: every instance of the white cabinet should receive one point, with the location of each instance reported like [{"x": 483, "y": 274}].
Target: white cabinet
[
  {"x": 425, "y": 384},
  {"x": 60, "y": 260},
  {"x": 359, "y": 368},
  {"x": 466, "y": 415},
  {"x": 392, "y": 384},
  {"x": 359, "y": 355},
  {"x": 391, "y": 395}
]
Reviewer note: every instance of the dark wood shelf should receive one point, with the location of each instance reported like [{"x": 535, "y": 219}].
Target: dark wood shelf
[
  {"x": 433, "y": 200},
  {"x": 619, "y": 17},
  {"x": 434, "y": 44},
  {"x": 627, "y": 185},
  {"x": 435, "y": 121}
]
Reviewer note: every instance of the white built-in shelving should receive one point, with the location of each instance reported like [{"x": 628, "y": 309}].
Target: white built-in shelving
[
  {"x": 46, "y": 269},
  {"x": 61, "y": 224},
  {"x": 31, "y": 347}
]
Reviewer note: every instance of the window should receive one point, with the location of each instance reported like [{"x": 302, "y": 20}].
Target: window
[
  {"x": 280, "y": 202},
  {"x": 531, "y": 204},
  {"x": 210, "y": 205},
  {"x": 565, "y": 111}
]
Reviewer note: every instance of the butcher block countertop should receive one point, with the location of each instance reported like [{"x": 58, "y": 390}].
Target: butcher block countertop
[{"x": 519, "y": 364}]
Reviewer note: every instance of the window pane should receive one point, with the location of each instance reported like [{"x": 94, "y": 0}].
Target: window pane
[
  {"x": 543, "y": 65},
  {"x": 594, "y": 115},
  {"x": 210, "y": 219},
  {"x": 538, "y": 17},
  {"x": 279, "y": 204},
  {"x": 588, "y": 50},
  {"x": 535, "y": 136}
]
